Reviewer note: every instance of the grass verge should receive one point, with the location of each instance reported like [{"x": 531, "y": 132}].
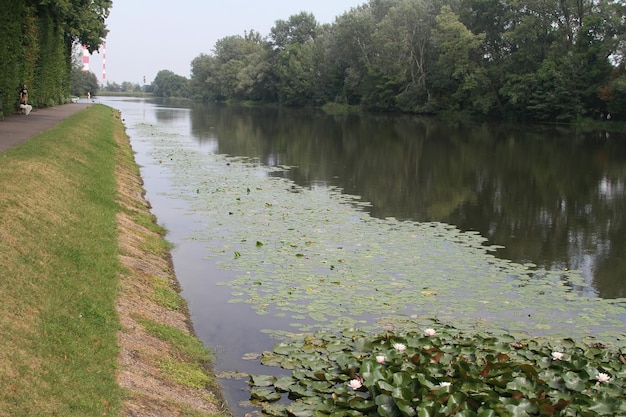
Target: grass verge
[
  {"x": 59, "y": 271},
  {"x": 75, "y": 232}
]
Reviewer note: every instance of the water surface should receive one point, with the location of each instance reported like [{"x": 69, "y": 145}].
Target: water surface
[{"x": 549, "y": 198}]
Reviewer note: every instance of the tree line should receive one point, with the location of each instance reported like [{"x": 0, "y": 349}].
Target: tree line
[
  {"x": 37, "y": 40},
  {"x": 551, "y": 60}
]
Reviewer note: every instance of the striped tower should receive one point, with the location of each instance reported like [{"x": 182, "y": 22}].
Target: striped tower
[
  {"x": 104, "y": 62},
  {"x": 85, "y": 59}
]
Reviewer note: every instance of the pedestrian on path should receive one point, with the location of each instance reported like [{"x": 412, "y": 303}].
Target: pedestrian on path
[{"x": 24, "y": 106}]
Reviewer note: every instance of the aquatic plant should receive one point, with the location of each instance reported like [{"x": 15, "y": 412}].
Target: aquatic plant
[{"x": 444, "y": 374}]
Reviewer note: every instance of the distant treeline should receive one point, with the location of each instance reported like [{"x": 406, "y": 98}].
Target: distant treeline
[
  {"x": 554, "y": 60},
  {"x": 36, "y": 43}
]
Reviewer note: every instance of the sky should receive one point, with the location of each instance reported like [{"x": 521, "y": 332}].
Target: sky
[{"x": 147, "y": 36}]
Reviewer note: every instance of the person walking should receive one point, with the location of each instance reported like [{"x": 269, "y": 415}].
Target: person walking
[{"x": 24, "y": 106}]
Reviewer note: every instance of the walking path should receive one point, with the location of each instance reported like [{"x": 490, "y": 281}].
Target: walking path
[{"x": 17, "y": 128}]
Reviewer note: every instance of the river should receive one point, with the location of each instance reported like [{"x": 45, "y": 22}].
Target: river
[{"x": 547, "y": 199}]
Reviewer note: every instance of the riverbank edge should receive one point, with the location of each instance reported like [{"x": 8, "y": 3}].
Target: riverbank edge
[{"x": 148, "y": 271}]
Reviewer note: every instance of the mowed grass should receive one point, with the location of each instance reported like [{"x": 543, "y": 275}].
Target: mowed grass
[{"x": 59, "y": 271}]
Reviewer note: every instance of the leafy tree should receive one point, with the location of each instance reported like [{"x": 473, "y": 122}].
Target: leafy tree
[
  {"x": 238, "y": 69},
  {"x": 295, "y": 71},
  {"x": 613, "y": 95},
  {"x": 351, "y": 52},
  {"x": 294, "y": 64},
  {"x": 36, "y": 42},
  {"x": 81, "y": 21},
  {"x": 83, "y": 82},
  {"x": 459, "y": 61},
  {"x": 535, "y": 59},
  {"x": 203, "y": 69},
  {"x": 168, "y": 84},
  {"x": 297, "y": 30},
  {"x": 404, "y": 52}
]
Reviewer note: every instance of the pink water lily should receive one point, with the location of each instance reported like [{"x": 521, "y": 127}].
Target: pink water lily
[
  {"x": 602, "y": 377},
  {"x": 430, "y": 332},
  {"x": 380, "y": 359},
  {"x": 355, "y": 384},
  {"x": 557, "y": 356}
]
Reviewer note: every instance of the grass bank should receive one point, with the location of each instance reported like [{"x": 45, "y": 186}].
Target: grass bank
[{"x": 90, "y": 321}]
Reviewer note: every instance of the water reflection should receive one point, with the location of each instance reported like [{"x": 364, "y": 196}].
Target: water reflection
[{"x": 548, "y": 194}]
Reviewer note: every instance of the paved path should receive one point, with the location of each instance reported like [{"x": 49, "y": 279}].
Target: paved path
[{"x": 16, "y": 128}]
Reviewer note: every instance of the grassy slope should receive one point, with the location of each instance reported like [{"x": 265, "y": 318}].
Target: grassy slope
[
  {"x": 59, "y": 271},
  {"x": 62, "y": 232}
]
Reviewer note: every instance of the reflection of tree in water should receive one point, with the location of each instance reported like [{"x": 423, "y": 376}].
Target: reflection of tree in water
[{"x": 547, "y": 195}]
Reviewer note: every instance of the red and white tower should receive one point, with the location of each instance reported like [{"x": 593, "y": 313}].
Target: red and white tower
[
  {"x": 104, "y": 61},
  {"x": 85, "y": 59}
]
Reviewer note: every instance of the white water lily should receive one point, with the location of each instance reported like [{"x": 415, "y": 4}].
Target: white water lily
[
  {"x": 355, "y": 384},
  {"x": 430, "y": 332},
  {"x": 380, "y": 359},
  {"x": 445, "y": 384},
  {"x": 400, "y": 347},
  {"x": 602, "y": 377},
  {"x": 557, "y": 356}
]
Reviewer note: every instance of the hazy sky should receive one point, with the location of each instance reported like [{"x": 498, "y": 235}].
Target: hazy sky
[{"x": 146, "y": 36}]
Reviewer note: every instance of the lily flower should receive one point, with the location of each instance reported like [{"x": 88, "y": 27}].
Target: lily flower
[
  {"x": 602, "y": 377},
  {"x": 380, "y": 359},
  {"x": 400, "y": 347},
  {"x": 355, "y": 384},
  {"x": 557, "y": 356},
  {"x": 430, "y": 332},
  {"x": 445, "y": 384}
]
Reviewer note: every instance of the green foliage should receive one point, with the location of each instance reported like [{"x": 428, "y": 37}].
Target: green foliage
[
  {"x": 168, "y": 84},
  {"x": 36, "y": 41},
  {"x": 12, "y": 62},
  {"x": 297, "y": 30},
  {"x": 83, "y": 82},
  {"x": 535, "y": 60},
  {"x": 441, "y": 372}
]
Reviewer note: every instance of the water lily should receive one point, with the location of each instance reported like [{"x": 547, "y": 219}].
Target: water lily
[
  {"x": 557, "y": 356},
  {"x": 602, "y": 377},
  {"x": 445, "y": 384},
  {"x": 380, "y": 359},
  {"x": 430, "y": 332},
  {"x": 355, "y": 384},
  {"x": 400, "y": 347}
]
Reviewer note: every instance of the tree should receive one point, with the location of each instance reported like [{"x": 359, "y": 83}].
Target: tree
[
  {"x": 238, "y": 69},
  {"x": 459, "y": 62},
  {"x": 82, "y": 21},
  {"x": 168, "y": 84},
  {"x": 83, "y": 82},
  {"x": 294, "y": 65},
  {"x": 297, "y": 30},
  {"x": 351, "y": 52},
  {"x": 404, "y": 52},
  {"x": 203, "y": 68}
]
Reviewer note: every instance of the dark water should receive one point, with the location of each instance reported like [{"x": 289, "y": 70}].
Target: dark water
[{"x": 548, "y": 194}]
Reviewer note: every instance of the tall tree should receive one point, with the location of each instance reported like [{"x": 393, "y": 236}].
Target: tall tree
[
  {"x": 351, "y": 51},
  {"x": 404, "y": 51},
  {"x": 297, "y": 30},
  {"x": 459, "y": 61},
  {"x": 293, "y": 62}
]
